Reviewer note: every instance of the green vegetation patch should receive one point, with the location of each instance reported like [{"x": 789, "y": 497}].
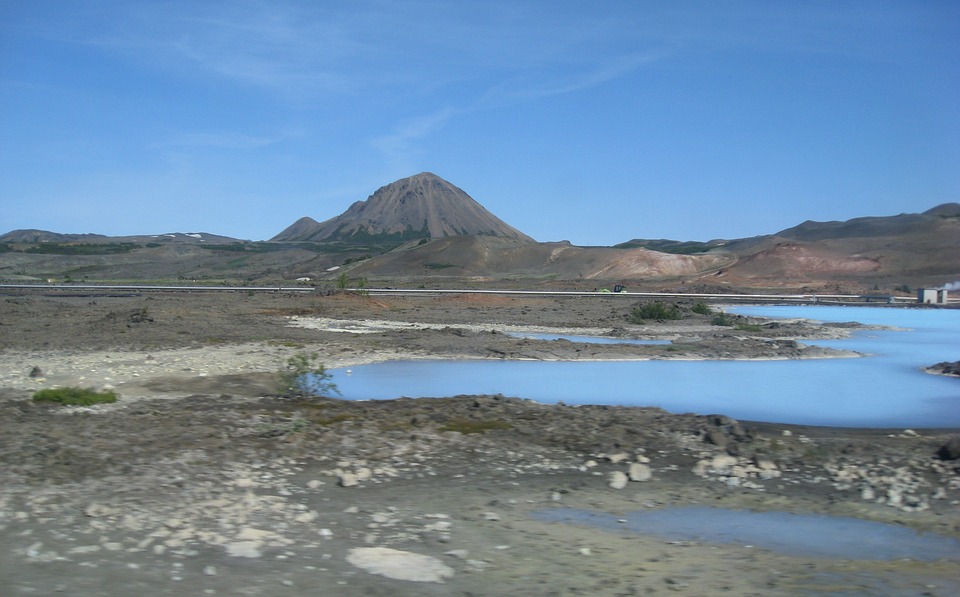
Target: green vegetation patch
[
  {"x": 723, "y": 319},
  {"x": 657, "y": 311},
  {"x": 467, "y": 426},
  {"x": 669, "y": 246},
  {"x": 702, "y": 309},
  {"x": 305, "y": 377},
  {"x": 82, "y": 249},
  {"x": 75, "y": 396},
  {"x": 438, "y": 266}
]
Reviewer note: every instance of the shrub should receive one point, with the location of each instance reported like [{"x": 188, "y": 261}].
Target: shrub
[
  {"x": 305, "y": 377},
  {"x": 723, "y": 319},
  {"x": 75, "y": 396},
  {"x": 657, "y": 311},
  {"x": 438, "y": 266},
  {"x": 702, "y": 309}
]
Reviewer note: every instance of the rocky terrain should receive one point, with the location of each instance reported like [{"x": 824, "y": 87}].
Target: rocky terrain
[{"x": 207, "y": 478}]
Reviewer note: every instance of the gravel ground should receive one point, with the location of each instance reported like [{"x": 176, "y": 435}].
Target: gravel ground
[{"x": 205, "y": 479}]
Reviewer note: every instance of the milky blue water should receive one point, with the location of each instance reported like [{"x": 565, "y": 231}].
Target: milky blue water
[
  {"x": 886, "y": 389},
  {"x": 815, "y": 535}
]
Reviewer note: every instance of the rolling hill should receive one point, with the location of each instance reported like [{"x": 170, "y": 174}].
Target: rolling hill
[{"x": 423, "y": 230}]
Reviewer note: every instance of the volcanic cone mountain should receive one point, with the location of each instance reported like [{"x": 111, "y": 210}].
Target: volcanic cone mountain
[{"x": 421, "y": 206}]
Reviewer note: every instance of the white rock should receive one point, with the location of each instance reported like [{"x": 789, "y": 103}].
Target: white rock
[
  {"x": 722, "y": 461},
  {"x": 347, "y": 480},
  {"x": 306, "y": 517},
  {"x": 81, "y": 549},
  {"x": 639, "y": 472},
  {"x": 399, "y": 565},
  {"x": 460, "y": 554},
  {"x": 244, "y": 549},
  {"x": 765, "y": 464},
  {"x": 619, "y": 457},
  {"x": 617, "y": 480}
]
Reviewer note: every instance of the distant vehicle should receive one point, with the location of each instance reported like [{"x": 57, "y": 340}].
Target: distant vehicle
[{"x": 618, "y": 288}]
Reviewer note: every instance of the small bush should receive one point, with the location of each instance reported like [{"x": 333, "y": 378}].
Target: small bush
[
  {"x": 723, "y": 319},
  {"x": 702, "y": 309},
  {"x": 75, "y": 396},
  {"x": 657, "y": 311},
  {"x": 438, "y": 266},
  {"x": 305, "y": 377}
]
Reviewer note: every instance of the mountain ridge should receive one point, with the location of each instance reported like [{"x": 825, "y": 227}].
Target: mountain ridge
[{"x": 424, "y": 228}]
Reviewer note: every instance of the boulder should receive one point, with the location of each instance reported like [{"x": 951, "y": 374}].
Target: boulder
[
  {"x": 639, "y": 472},
  {"x": 617, "y": 480},
  {"x": 399, "y": 565},
  {"x": 950, "y": 450},
  {"x": 348, "y": 479}
]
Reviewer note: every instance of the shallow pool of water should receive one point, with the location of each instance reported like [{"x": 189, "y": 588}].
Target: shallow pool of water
[
  {"x": 887, "y": 389},
  {"x": 811, "y": 535}
]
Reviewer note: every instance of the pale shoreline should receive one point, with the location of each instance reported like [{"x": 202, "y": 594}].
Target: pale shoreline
[{"x": 129, "y": 370}]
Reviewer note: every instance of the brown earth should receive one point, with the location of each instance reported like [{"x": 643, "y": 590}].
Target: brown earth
[{"x": 204, "y": 478}]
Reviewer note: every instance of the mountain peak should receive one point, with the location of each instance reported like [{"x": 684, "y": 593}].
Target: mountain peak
[{"x": 420, "y": 206}]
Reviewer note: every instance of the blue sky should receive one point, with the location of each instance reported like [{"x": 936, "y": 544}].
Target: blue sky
[{"x": 594, "y": 122}]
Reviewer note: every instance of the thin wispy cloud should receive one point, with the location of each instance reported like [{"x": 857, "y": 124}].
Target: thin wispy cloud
[
  {"x": 398, "y": 146},
  {"x": 219, "y": 140},
  {"x": 537, "y": 85},
  {"x": 290, "y": 49}
]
